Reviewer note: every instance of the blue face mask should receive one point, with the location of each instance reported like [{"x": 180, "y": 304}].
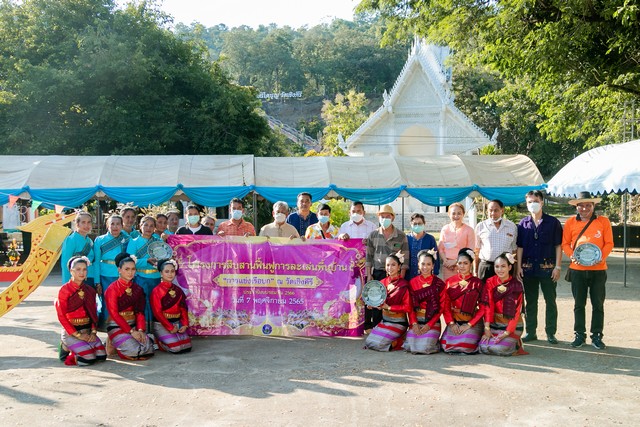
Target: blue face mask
[
  {"x": 385, "y": 222},
  {"x": 193, "y": 219},
  {"x": 323, "y": 219},
  {"x": 236, "y": 214},
  {"x": 418, "y": 228}
]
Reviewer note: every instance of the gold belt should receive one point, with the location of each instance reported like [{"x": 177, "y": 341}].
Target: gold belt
[
  {"x": 80, "y": 321},
  {"x": 422, "y": 311},
  {"x": 127, "y": 315},
  {"x": 150, "y": 271},
  {"x": 172, "y": 315},
  {"x": 108, "y": 261}
]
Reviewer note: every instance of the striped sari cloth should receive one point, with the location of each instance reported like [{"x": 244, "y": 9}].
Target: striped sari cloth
[
  {"x": 127, "y": 347},
  {"x": 172, "y": 343},
  {"x": 427, "y": 343},
  {"x": 86, "y": 353},
  {"x": 466, "y": 342},
  {"x": 507, "y": 346},
  {"x": 388, "y": 334}
]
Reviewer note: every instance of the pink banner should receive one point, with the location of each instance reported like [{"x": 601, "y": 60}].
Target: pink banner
[{"x": 255, "y": 286}]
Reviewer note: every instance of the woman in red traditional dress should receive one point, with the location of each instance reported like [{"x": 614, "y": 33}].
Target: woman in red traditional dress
[
  {"x": 126, "y": 305},
  {"x": 427, "y": 290},
  {"x": 169, "y": 307},
  {"x": 461, "y": 308},
  {"x": 388, "y": 334},
  {"x": 503, "y": 298},
  {"x": 78, "y": 315}
]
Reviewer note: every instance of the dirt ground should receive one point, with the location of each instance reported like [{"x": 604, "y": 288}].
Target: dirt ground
[{"x": 243, "y": 381}]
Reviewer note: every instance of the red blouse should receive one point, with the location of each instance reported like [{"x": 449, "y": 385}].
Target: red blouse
[
  {"x": 398, "y": 297},
  {"x": 118, "y": 299},
  {"x": 75, "y": 303},
  {"x": 167, "y": 298},
  {"x": 497, "y": 305},
  {"x": 454, "y": 296},
  {"x": 418, "y": 283}
]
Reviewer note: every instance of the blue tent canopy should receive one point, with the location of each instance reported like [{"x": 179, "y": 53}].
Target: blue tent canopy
[{"x": 213, "y": 180}]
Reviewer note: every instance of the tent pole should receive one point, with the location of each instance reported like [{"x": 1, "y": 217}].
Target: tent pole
[
  {"x": 403, "y": 214},
  {"x": 625, "y": 202},
  {"x": 255, "y": 210}
]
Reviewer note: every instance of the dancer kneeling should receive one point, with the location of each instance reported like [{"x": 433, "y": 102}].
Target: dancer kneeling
[
  {"x": 387, "y": 335},
  {"x": 78, "y": 315},
  {"x": 503, "y": 298},
  {"x": 169, "y": 307},
  {"x": 126, "y": 304},
  {"x": 461, "y": 309},
  {"x": 426, "y": 291}
]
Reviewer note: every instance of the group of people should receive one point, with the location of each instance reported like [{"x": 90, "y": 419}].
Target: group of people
[
  {"x": 482, "y": 306},
  {"x": 140, "y": 308}
]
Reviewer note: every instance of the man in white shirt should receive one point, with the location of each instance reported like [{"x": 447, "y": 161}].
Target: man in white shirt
[
  {"x": 494, "y": 236},
  {"x": 357, "y": 227}
]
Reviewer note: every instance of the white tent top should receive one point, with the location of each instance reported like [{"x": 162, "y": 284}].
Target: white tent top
[
  {"x": 214, "y": 180},
  {"x": 608, "y": 169}
]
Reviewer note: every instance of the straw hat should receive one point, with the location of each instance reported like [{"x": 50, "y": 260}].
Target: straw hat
[
  {"x": 386, "y": 209},
  {"x": 584, "y": 197}
]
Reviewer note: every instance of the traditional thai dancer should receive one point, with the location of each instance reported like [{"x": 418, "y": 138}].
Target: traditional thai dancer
[
  {"x": 502, "y": 320},
  {"x": 169, "y": 307},
  {"x": 79, "y": 243},
  {"x": 147, "y": 275},
  {"x": 427, "y": 291},
  {"x": 77, "y": 313},
  {"x": 106, "y": 247},
  {"x": 461, "y": 309},
  {"x": 388, "y": 334},
  {"x": 126, "y": 323}
]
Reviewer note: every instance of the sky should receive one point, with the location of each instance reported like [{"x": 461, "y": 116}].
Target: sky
[{"x": 233, "y": 13}]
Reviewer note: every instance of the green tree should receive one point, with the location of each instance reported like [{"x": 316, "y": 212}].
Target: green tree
[
  {"x": 85, "y": 77},
  {"x": 343, "y": 117},
  {"x": 577, "y": 58}
]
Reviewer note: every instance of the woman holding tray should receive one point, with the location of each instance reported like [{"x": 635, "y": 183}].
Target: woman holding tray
[
  {"x": 461, "y": 308},
  {"x": 169, "y": 307},
  {"x": 502, "y": 320},
  {"x": 388, "y": 334},
  {"x": 427, "y": 289}
]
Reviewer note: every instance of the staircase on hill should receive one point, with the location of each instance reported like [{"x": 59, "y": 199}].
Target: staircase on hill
[{"x": 293, "y": 134}]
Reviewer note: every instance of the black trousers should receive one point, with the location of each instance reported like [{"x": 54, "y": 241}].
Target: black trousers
[
  {"x": 373, "y": 316},
  {"x": 591, "y": 282},
  {"x": 531, "y": 288}
]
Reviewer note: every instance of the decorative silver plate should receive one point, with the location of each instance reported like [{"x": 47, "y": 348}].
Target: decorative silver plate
[
  {"x": 587, "y": 254},
  {"x": 374, "y": 293},
  {"x": 159, "y": 250}
]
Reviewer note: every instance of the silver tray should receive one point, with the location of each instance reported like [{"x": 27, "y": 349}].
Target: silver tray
[
  {"x": 374, "y": 293},
  {"x": 587, "y": 254},
  {"x": 159, "y": 250}
]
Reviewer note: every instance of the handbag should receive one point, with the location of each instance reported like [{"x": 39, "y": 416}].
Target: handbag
[{"x": 567, "y": 275}]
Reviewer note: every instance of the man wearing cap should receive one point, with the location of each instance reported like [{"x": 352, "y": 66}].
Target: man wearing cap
[
  {"x": 539, "y": 264},
  {"x": 588, "y": 273},
  {"x": 381, "y": 243},
  {"x": 494, "y": 236}
]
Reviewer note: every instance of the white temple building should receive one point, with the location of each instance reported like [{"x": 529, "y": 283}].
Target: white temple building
[{"x": 418, "y": 117}]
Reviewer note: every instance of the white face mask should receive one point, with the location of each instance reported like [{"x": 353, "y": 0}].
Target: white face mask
[
  {"x": 496, "y": 220},
  {"x": 323, "y": 219},
  {"x": 236, "y": 214},
  {"x": 280, "y": 218},
  {"x": 356, "y": 217},
  {"x": 534, "y": 207},
  {"x": 193, "y": 220}
]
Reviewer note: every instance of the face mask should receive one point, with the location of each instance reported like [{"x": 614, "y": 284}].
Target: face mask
[
  {"x": 534, "y": 207},
  {"x": 236, "y": 215},
  {"x": 323, "y": 219},
  {"x": 419, "y": 228},
  {"x": 193, "y": 219},
  {"x": 356, "y": 217},
  {"x": 280, "y": 218},
  {"x": 385, "y": 222},
  {"x": 497, "y": 220}
]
